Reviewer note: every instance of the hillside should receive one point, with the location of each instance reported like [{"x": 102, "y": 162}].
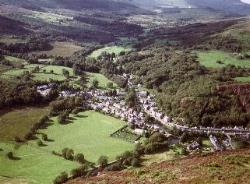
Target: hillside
[{"x": 226, "y": 167}]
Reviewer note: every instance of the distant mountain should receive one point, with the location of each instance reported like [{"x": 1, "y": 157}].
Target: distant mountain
[
  {"x": 108, "y": 5},
  {"x": 227, "y": 6}
]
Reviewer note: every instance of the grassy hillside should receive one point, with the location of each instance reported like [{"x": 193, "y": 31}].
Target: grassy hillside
[
  {"x": 221, "y": 167},
  {"x": 87, "y": 133},
  {"x": 18, "y": 122},
  {"x": 219, "y": 59}
]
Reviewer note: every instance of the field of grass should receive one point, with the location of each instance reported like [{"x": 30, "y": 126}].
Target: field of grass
[
  {"x": 32, "y": 165},
  {"x": 88, "y": 134},
  {"x": 103, "y": 81},
  {"x": 50, "y": 17},
  {"x": 111, "y": 49},
  {"x": 18, "y": 122},
  {"x": 209, "y": 59},
  {"x": 242, "y": 79},
  {"x": 64, "y": 49},
  {"x": 43, "y": 75}
]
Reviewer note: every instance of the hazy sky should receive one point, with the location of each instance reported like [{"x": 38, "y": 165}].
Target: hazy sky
[{"x": 246, "y": 1}]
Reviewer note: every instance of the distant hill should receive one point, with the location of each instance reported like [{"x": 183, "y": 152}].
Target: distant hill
[
  {"x": 10, "y": 26},
  {"x": 72, "y": 4}
]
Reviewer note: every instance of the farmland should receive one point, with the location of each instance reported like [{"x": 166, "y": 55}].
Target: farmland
[
  {"x": 19, "y": 121},
  {"x": 242, "y": 79},
  {"x": 63, "y": 49},
  {"x": 32, "y": 164},
  {"x": 219, "y": 59},
  {"x": 103, "y": 81},
  {"x": 109, "y": 49},
  {"x": 88, "y": 133}
]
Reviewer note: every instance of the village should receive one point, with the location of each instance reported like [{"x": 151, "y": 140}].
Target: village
[{"x": 114, "y": 105}]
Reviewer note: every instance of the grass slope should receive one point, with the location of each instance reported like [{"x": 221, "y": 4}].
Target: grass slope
[
  {"x": 111, "y": 49},
  {"x": 88, "y": 134},
  {"x": 217, "y": 168},
  {"x": 209, "y": 59},
  {"x": 18, "y": 122},
  {"x": 103, "y": 81},
  {"x": 32, "y": 164},
  {"x": 63, "y": 49}
]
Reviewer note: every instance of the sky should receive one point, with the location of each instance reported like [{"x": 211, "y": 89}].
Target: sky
[{"x": 246, "y": 1}]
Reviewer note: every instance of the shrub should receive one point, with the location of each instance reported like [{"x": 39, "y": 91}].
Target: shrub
[
  {"x": 18, "y": 139},
  {"x": 62, "y": 178},
  {"x": 103, "y": 161},
  {"x": 135, "y": 162},
  {"x": 44, "y": 137},
  {"x": 79, "y": 158},
  {"x": 39, "y": 143},
  {"x": 10, "y": 155}
]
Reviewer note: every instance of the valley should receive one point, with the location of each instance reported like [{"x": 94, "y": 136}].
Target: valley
[{"x": 111, "y": 91}]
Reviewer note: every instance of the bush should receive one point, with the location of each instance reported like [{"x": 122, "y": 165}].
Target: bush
[
  {"x": 135, "y": 162},
  {"x": 62, "y": 178},
  {"x": 78, "y": 172},
  {"x": 79, "y": 158},
  {"x": 44, "y": 137},
  {"x": 18, "y": 139},
  {"x": 103, "y": 161},
  {"x": 68, "y": 154},
  {"x": 10, "y": 155},
  {"x": 39, "y": 143}
]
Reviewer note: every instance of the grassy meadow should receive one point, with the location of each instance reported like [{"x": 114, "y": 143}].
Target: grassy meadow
[
  {"x": 63, "y": 49},
  {"x": 109, "y": 49},
  {"x": 242, "y": 79},
  {"x": 209, "y": 59},
  {"x": 18, "y": 122},
  {"x": 88, "y": 133},
  {"x": 103, "y": 81}
]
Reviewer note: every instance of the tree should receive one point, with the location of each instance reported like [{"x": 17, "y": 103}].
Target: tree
[
  {"x": 80, "y": 158},
  {"x": 62, "y": 178},
  {"x": 103, "y": 161},
  {"x": 10, "y": 155},
  {"x": 44, "y": 137},
  {"x": 39, "y": 143},
  {"x": 65, "y": 73},
  {"x": 95, "y": 83},
  {"x": 110, "y": 85}
]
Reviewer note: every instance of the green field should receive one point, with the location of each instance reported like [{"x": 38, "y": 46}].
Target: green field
[
  {"x": 43, "y": 75},
  {"x": 88, "y": 133},
  {"x": 111, "y": 49},
  {"x": 32, "y": 164},
  {"x": 242, "y": 79},
  {"x": 209, "y": 59},
  {"x": 18, "y": 122},
  {"x": 103, "y": 81}
]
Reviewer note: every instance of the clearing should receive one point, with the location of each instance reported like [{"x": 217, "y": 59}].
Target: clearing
[
  {"x": 103, "y": 81},
  {"x": 63, "y": 49},
  {"x": 88, "y": 133},
  {"x": 219, "y": 59},
  {"x": 19, "y": 121},
  {"x": 109, "y": 49}
]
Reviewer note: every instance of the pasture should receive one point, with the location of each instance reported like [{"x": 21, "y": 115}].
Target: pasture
[
  {"x": 109, "y": 49},
  {"x": 103, "y": 81},
  {"x": 219, "y": 59},
  {"x": 19, "y": 121},
  {"x": 242, "y": 79},
  {"x": 45, "y": 73},
  {"x": 88, "y": 133},
  {"x": 64, "y": 49},
  {"x": 32, "y": 165}
]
